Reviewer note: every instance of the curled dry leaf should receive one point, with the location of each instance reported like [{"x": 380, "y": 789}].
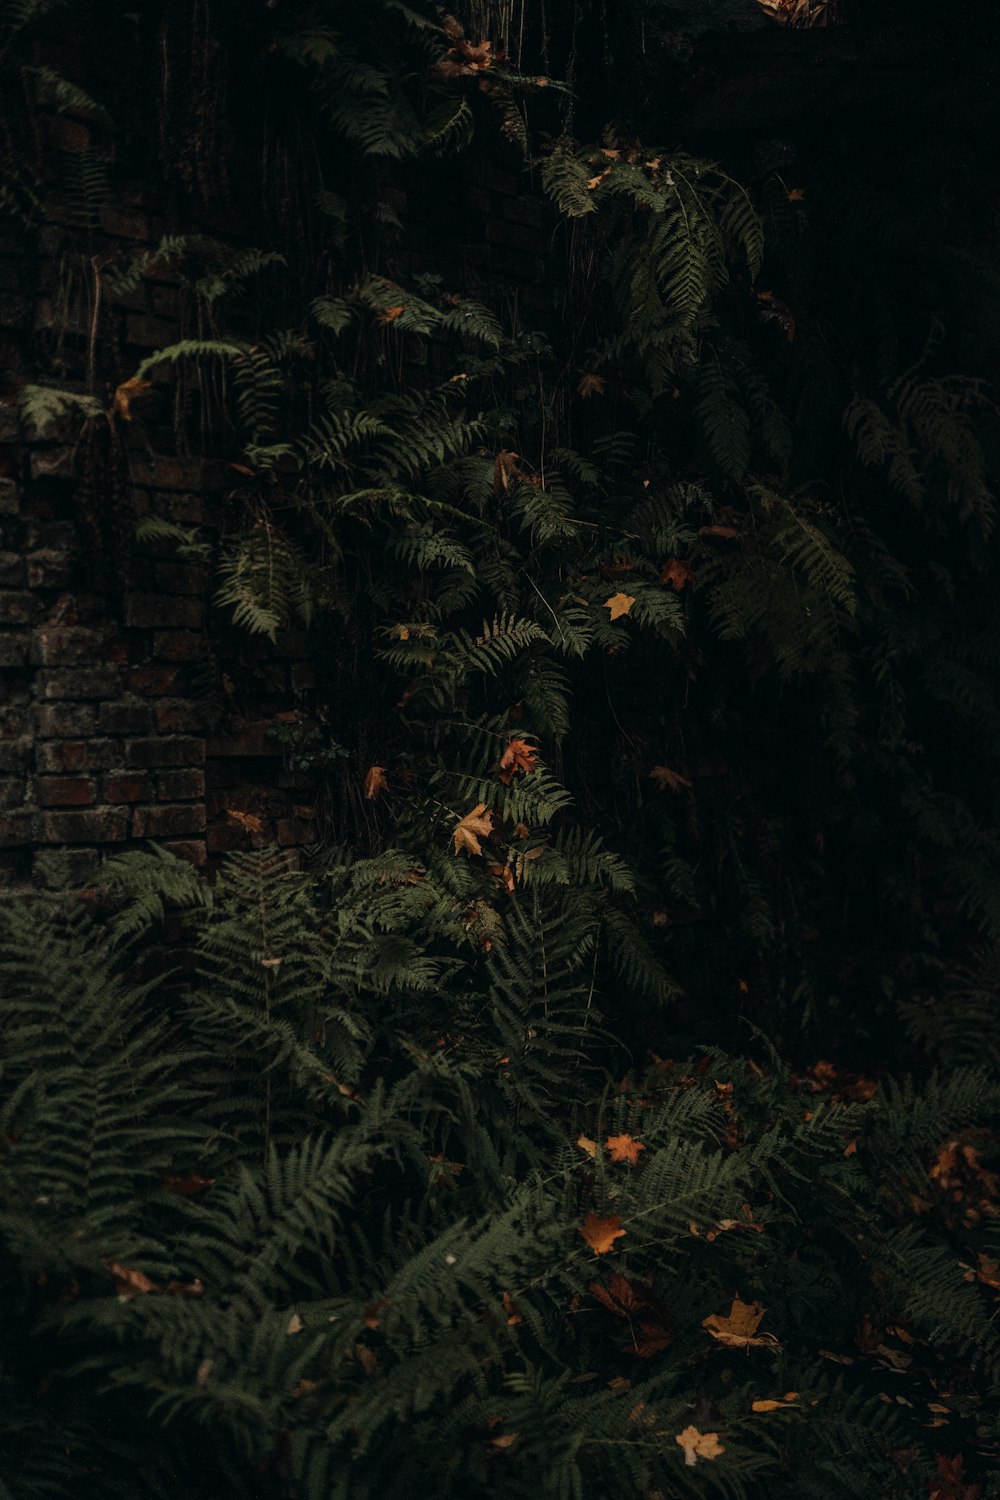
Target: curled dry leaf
[
  {"x": 510, "y": 1308},
  {"x": 129, "y": 1283},
  {"x": 586, "y": 1144},
  {"x": 619, "y": 604},
  {"x": 698, "y": 1445},
  {"x": 294, "y": 1324},
  {"x": 669, "y": 781},
  {"x": 592, "y": 385},
  {"x": 518, "y": 756},
  {"x": 778, "y": 1404},
  {"x": 623, "y": 1148},
  {"x": 375, "y": 781},
  {"x": 127, "y": 392},
  {"x": 738, "y": 1328},
  {"x": 469, "y": 830},
  {"x": 188, "y": 1289},
  {"x": 601, "y": 1233},
  {"x": 390, "y": 314}
]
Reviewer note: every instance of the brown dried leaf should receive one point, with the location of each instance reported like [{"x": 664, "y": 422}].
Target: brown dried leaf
[
  {"x": 129, "y": 1283},
  {"x": 518, "y": 756},
  {"x": 375, "y": 781},
  {"x": 738, "y": 1328},
  {"x": 591, "y": 385},
  {"x": 601, "y": 1233},
  {"x": 469, "y": 830},
  {"x": 669, "y": 781},
  {"x": 677, "y": 573},
  {"x": 186, "y": 1187},
  {"x": 129, "y": 391},
  {"x": 623, "y": 1148}
]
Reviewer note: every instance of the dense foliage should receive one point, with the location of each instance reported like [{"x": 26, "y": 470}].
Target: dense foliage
[{"x": 609, "y": 1104}]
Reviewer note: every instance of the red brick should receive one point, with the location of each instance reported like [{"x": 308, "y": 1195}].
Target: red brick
[
  {"x": 252, "y": 739},
  {"x": 11, "y": 570},
  {"x": 65, "y": 791},
  {"x": 143, "y": 611},
  {"x": 179, "y": 717},
  {"x": 80, "y": 682},
  {"x": 152, "y": 681},
  {"x": 158, "y": 822},
  {"x": 11, "y": 791},
  {"x": 77, "y": 755},
  {"x": 13, "y": 649},
  {"x": 98, "y": 825},
  {"x": 64, "y": 720},
  {"x": 125, "y": 718},
  {"x": 181, "y": 751},
  {"x": 15, "y": 754},
  {"x": 222, "y": 837},
  {"x": 68, "y": 646},
  {"x": 126, "y": 787},
  {"x": 178, "y": 645},
  {"x": 178, "y": 786},
  {"x": 292, "y": 831},
  {"x": 179, "y": 578},
  {"x": 17, "y": 608},
  {"x": 18, "y": 829},
  {"x": 194, "y": 850}
]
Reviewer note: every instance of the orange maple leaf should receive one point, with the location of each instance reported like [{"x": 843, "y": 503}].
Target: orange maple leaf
[
  {"x": 591, "y": 385},
  {"x": 622, "y": 1148},
  {"x": 698, "y": 1445},
  {"x": 667, "y": 780},
  {"x": 246, "y": 820},
  {"x": 469, "y": 830},
  {"x": 518, "y": 756},
  {"x": 375, "y": 781},
  {"x": 599, "y": 1233},
  {"x": 390, "y": 314},
  {"x": 619, "y": 604},
  {"x": 738, "y": 1328},
  {"x": 677, "y": 573}
]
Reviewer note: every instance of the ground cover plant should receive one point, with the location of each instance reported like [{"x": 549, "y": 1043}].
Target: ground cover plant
[{"x": 608, "y": 1100}]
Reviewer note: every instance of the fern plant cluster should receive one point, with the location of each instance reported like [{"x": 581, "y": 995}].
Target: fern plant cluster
[{"x": 610, "y": 1104}]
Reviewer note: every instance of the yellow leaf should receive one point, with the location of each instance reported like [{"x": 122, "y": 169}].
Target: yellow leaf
[
  {"x": 788, "y": 1399},
  {"x": 738, "y": 1328},
  {"x": 468, "y": 830},
  {"x": 698, "y": 1445},
  {"x": 619, "y": 604},
  {"x": 295, "y": 1324},
  {"x": 599, "y": 1233},
  {"x": 586, "y": 1144},
  {"x": 506, "y": 1440}
]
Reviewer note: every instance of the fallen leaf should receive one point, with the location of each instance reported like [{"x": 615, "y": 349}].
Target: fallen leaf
[
  {"x": 591, "y": 385},
  {"x": 366, "y": 1358},
  {"x": 246, "y": 820},
  {"x": 505, "y": 875},
  {"x": 187, "y": 1289},
  {"x": 669, "y": 781},
  {"x": 505, "y": 1441},
  {"x": 773, "y": 310},
  {"x": 510, "y": 1308},
  {"x": 518, "y": 756},
  {"x": 698, "y": 1445},
  {"x": 586, "y": 1144},
  {"x": 619, "y": 604},
  {"x": 677, "y": 573},
  {"x": 634, "y": 1302},
  {"x": 738, "y": 1328},
  {"x": 294, "y": 1324},
  {"x": 128, "y": 1283},
  {"x": 371, "y": 1312},
  {"x": 126, "y": 393},
  {"x": 203, "y": 1371},
  {"x": 302, "y": 1388},
  {"x": 788, "y": 1399},
  {"x": 390, "y": 314},
  {"x": 622, "y": 1148},
  {"x": 186, "y": 1187},
  {"x": 468, "y": 830},
  {"x": 724, "y": 533},
  {"x": 796, "y": 195},
  {"x": 599, "y": 1233},
  {"x": 375, "y": 781}
]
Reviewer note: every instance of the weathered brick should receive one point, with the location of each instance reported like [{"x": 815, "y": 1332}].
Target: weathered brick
[
  {"x": 179, "y": 716},
  {"x": 179, "y": 751},
  {"x": 222, "y": 837},
  {"x": 194, "y": 850},
  {"x": 97, "y": 825},
  {"x": 149, "y": 332},
  {"x": 49, "y": 568},
  {"x": 143, "y": 611},
  {"x": 178, "y": 645},
  {"x": 56, "y": 756},
  {"x": 12, "y": 570},
  {"x": 13, "y": 649},
  {"x": 160, "y": 822},
  {"x": 179, "y": 578},
  {"x": 125, "y": 718},
  {"x": 17, "y": 608},
  {"x": 127, "y": 786},
  {"x": 250, "y": 740},
  {"x": 152, "y": 681},
  {"x": 18, "y": 829},
  {"x": 302, "y": 676},
  {"x": 15, "y": 754},
  {"x": 80, "y": 682},
  {"x": 52, "y": 463},
  {"x": 68, "y": 646},
  {"x": 63, "y": 869},
  {"x": 65, "y": 791},
  {"x": 8, "y": 497},
  {"x": 11, "y": 791},
  {"x": 163, "y": 473},
  {"x": 123, "y": 224},
  {"x": 178, "y": 786},
  {"x": 291, "y": 831},
  {"x": 64, "y": 720}
]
